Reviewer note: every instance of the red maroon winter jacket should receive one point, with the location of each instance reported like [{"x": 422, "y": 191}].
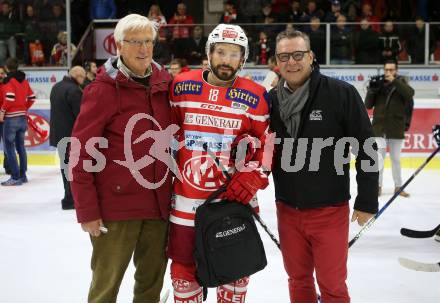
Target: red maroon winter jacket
[
  {"x": 108, "y": 103},
  {"x": 16, "y": 94}
]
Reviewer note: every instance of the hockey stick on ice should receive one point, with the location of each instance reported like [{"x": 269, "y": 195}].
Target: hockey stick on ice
[
  {"x": 396, "y": 194},
  {"x": 419, "y": 266},
  {"x": 254, "y": 213},
  {"x": 411, "y": 233}
]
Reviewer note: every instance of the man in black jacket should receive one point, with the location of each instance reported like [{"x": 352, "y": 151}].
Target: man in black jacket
[
  {"x": 391, "y": 99},
  {"x": 316, "y": 119},
  {"x": 65, "y": 101}
]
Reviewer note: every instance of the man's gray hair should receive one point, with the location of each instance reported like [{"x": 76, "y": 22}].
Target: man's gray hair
[
  {"x": 289, "y": 34},
  {"x": 132, "y": 22}
]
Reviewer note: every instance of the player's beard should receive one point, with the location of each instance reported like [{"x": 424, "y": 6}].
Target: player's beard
[{"x": 224, "y": 76}]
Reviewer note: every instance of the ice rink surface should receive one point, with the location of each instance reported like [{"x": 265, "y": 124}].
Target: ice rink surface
[{"x": 45, "y": 256}]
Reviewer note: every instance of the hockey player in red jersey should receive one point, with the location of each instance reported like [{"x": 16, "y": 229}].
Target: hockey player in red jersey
[{"x": 213, "y": 107}]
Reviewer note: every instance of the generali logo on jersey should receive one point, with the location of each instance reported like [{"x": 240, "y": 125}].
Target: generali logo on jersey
[
  {"x": 229, "y": 33},
  {"x": 211, "y": 121}
]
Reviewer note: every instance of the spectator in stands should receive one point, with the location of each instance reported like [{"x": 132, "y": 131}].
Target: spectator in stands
[
  {"x": 102, "y": 9},
  {"x": 366, "y": 44},
  {"x": 229, "y": 13},
  {"x": 18, "y": 97},
  {"x": 311, "y": 11},
  {"x": 180, "y": 32},
  {"x": 267, "y": 17},
  {"x": 59, "y": 50},
  {"x": 290, "y": 27},
  {"x": 195, "y": 46},
  {"x": 333, "y": 15},
  {"x": 205, "y": 63},
  {"x": 351, "y": 7},
  {"x": 155, "y": 14},
  {"x": 263, "y": 49},
  {"x": 341, "y": 42},
  {"x": 57, "y": 20},
  {"x": 389, "y": 43},
  {"x": 250, "y": 10},
  {"x": 65, "y": 102},
  {"x": 9, "y": 26},
  {"x": 295, "y": 13},
  {"x": 91, "y": 69},
  {"x": 367, "y": 13},
  {"x": 5, "y": 162},
  {"x": 2, "y": 76},
  {"x": 279, "y": 8},
  {"x": 272, "y": 75},
  {"x": 175, "y": 67},
  {"x": 33, "y": 49},
  {"x": 416, "y": 42},
  {"x": 317, "y": 40},
  {"x": 58, "y": 12},
  {"x": 162, "y": 52},
  {"x": 44, "y": 9}
]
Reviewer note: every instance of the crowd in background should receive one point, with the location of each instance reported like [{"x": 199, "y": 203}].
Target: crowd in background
[{"x": 34, "y": 30}]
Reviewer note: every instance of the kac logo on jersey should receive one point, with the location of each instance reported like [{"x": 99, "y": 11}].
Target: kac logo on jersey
[
  {"x": 242, "y": 96},
  {"x": 188, "y": 87},
  {"x": 202, "y": 173}
]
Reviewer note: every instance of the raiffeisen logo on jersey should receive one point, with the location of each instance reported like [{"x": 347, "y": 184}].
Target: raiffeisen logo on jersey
[
  {"x": 188, "y": 87},
  {"x": 242, "y": 96}
]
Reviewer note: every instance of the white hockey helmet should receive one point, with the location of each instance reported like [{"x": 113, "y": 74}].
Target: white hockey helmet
[{"x": 228, "y": 33}]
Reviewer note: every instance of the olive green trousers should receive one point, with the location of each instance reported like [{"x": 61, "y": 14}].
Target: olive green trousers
[{"x": 145, "y": 240}]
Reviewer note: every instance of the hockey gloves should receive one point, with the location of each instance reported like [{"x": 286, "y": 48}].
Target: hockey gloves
[
  {"x": 436, "y": 133},
  {"x": 244, "y": 185}
]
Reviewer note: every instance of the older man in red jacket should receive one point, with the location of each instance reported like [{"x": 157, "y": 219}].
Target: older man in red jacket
[{"x": 121, "y": 200}]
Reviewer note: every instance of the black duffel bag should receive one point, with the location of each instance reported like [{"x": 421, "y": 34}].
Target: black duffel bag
[{"x": 228, "y": 245}]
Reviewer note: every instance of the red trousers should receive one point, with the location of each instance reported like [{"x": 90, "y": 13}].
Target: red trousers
[{"x": 315, "y": 240}]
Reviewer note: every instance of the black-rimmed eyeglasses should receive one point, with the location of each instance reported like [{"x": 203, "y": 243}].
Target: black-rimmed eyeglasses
[{"x": 297, "y": 56}]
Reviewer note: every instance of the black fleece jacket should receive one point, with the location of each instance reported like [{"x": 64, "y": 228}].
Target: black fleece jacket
[{"x": 334, "y": 110}]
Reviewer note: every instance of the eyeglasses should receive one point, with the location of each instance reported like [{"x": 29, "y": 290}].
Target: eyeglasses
[
  {"x": 297, "y": 56},
  {"x": 140, "y": 43}
]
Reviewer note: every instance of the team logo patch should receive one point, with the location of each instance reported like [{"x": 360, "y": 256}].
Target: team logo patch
[
  {"x": 242, "y": 96},
  {"x": 211, "y": 121},
  {"x": 188, "y": 87},
  {"x": 215, "y": 142},
  {"x": 316, "y": 115},
  {"x": 228, "y": 33},
  {"x": 238, "y": 105},
  {"x": 202, "y": 173}
]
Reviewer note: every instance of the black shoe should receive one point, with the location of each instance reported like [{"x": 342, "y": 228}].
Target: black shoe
[{"x": 67, "y": 205}]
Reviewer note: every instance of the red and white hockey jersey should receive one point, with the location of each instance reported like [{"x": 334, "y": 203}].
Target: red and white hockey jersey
[{"x": 213, "y": 115}]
